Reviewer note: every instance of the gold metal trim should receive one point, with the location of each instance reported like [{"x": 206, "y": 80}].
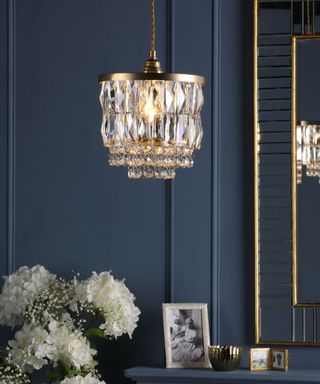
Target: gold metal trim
[
  {"x": 304, "y": 123},
  {"x": 294, "y": 173},
  {"x": 152, "y": 65},
  {"x": 256, "y": 179},
  {"x": 258, "y": 340},
  {"x": 295, "y": 301},
  {"x": 291, "y": 343},
  {"x": 152, "y": 76}
]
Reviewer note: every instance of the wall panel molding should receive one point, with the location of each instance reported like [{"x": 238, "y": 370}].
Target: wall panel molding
[
  {"x": 11, "y": 133},
  {"x": 3, "y": 134},
  {"x": 7, "y": 141},
  {"x": 215, "y": 161},
  {"x": 3, "y": 144},
  {"x": 169, "y": 184},
  {"x": 7, "y": 138}
]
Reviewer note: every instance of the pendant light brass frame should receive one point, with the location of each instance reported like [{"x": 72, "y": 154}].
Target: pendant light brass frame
[{"x": 152, "y": 76}]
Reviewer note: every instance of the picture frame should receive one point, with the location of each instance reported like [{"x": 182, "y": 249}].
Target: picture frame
[
  {"x": 279, "y": 359},
  {"x": 260, "y": 359},
  {"x": 186, "y": 335}
]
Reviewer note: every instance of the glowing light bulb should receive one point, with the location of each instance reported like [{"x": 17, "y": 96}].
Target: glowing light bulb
[
  {"x": 151, "y": 107},
  {"x": 150, "y": 110}
]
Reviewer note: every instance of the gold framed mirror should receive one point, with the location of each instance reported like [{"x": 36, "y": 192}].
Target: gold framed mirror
[{"x": 279, "y": 319}]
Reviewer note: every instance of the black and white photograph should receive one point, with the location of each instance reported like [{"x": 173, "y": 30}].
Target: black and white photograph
[
  {"x": 259, "y": 359},
  {"x": 279, "y": 359},
  {"x": 186, "y": 333}
]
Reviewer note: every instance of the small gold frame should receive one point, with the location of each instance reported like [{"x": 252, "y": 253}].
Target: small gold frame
[
  {"x": 255, "y": 350},
  {"x": 286, "y": 359},
  {"x": 296, "y": 303}
]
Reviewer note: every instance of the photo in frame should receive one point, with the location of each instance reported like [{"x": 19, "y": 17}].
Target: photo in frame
[
  {"x": 279, "y": 359},
  {"x": 259, "y": 359},
  {"x": 186, "y": 335}
]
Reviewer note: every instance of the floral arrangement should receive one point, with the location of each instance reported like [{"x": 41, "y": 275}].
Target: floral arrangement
[{"x": 55, "y": 320}]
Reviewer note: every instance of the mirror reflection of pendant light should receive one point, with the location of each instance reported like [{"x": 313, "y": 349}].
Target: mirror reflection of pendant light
[
  {"x": 308, "y": 135},
  {"x": 151, "y": 119},
  {"x": 308, "y": 149}
]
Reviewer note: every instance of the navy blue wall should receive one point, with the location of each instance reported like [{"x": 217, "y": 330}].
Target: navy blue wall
[{"x": 63, "y": 206}]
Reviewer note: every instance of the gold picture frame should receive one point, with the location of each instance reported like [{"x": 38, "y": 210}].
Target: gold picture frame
[
  {"x": 260, "y": 359},
  {"x": 177, "y": 345},
  {"x": 277, "y": 357}
]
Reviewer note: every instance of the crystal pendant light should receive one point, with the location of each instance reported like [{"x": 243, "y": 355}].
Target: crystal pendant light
[
  {"x": 151, "y": 119},
  {"x": 308, "y": 149}
]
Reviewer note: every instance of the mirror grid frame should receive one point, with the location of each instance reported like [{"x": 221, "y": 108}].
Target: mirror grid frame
[{"x": 296, "y": 302}]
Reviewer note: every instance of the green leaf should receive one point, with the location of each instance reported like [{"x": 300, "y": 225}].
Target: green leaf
[
  {"x": 52, "y": 376},
  {"x": 62, "y": 368},
  {"x": 67, "y": 371},
  {"x": 94, "y": 332},
  {"x": 93, "y": 345}
]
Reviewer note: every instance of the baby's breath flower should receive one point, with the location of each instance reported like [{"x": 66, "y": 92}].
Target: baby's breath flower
[
  {"x": 51, "y": 303},
  {"x": 11, "y": 373}
]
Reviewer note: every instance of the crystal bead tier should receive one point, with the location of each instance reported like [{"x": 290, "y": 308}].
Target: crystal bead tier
[{"x": 151, "y": 126}]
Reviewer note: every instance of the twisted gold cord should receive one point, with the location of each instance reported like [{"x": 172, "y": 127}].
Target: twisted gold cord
[
  {"x": 153, "y": 27},
  {"x": 152, "y": 65}
]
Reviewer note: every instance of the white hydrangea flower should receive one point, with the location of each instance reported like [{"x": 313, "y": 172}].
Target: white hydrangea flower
[
  {"x": 33, "y": 347},
  {"x": 89, "y": 379},
  {"x": 69, "y": 345},
  {"x": 19, "y": 289},
  {"x": 28, "y": 348},
  {"x": 113, "y": 299}
]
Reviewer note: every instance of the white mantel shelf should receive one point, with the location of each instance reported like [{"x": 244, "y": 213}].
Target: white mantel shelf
[{"x": 243, "y": 376}]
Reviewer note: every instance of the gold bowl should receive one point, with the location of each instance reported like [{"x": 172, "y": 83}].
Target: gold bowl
[{"x": 224, "y": 357}]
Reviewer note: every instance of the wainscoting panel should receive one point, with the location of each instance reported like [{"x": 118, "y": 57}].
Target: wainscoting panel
[
  {"x": 192, "y": 188},
  {"x": 64, "y": 207},
  {"x": 71, "y": 211},
  {"x": 4, "y": 100},
  {"x": 236, "y": 173}
]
